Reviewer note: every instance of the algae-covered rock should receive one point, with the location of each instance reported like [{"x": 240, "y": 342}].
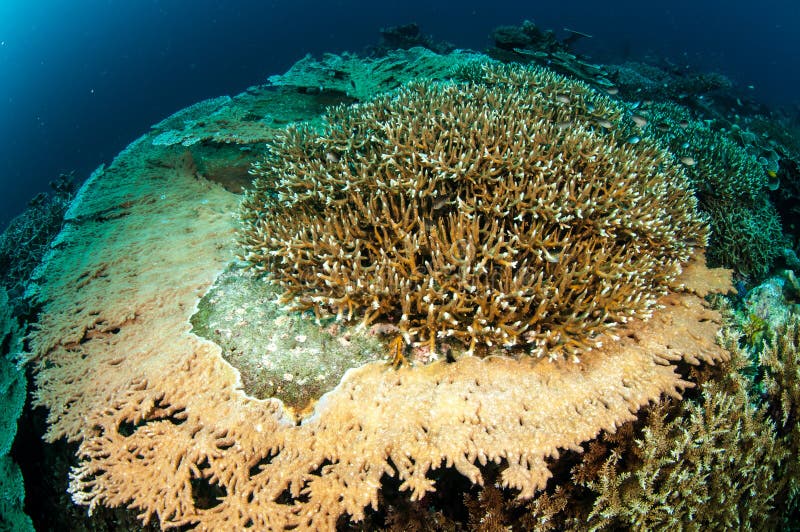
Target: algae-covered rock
[{"x": 363, "y": 79}]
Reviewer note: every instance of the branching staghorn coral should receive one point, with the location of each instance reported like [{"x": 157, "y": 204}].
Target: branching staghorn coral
[
  {"x": 780, "y": 362},
  {"x": 498, "y": 213},
  {"x": 716, "y": 461}
]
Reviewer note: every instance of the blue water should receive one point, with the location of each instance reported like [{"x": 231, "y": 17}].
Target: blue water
[{"x": 80, "y": 79}]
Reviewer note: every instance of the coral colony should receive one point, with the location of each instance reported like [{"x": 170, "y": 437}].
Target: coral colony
[
  {"x": 457, "y": 294},
  {"x": 489, "y": 213}
]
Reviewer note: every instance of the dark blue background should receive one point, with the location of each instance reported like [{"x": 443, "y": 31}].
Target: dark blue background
[{"x": 81, "y": 79}]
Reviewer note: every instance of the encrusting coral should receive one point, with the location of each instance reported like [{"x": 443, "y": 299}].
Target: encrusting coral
[
  {"x": 491, "y": 214},
  {"x": 164, "y": 426}
]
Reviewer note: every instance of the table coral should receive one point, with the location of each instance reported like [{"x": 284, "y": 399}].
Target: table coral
[{"x": 164, "y": 426}]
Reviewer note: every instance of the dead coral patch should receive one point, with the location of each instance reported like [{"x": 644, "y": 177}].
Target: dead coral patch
[{"x": 279, "y": 353}]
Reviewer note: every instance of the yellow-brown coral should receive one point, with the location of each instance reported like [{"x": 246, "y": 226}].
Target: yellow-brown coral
[
  {"x": 159, "y": 414},
  {"x": 715, "y": 461},
  {"x": 490, "y": 213}
]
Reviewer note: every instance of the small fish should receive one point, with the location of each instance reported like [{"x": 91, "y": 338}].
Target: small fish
[
  {"x": 683, "y": 124},
  {"x": 685, "y": 145},
  {"x": 662, "y": 126},
  {"x": 634, "y": 140},
  {"x": 612, "y": 91},
  {"x": 688, "y": 161},
  {"x": 550, "y": 258},
  {"x": 639, "y": 120},
  {"x": 331, "y": 157},
  {"x": 563, "y": 98},
  {"x": 441, "y": 203},
  {"x": 605, "y": 124},
  {"x": 563, "y": 125}
]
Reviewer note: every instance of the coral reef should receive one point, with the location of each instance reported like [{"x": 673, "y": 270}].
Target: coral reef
[
  {"x": 723, "y": 458},
  {"x": 470, "y": 213},
  {"x": 13, "y": 386},
  {"x": 363, "y": 79},
  {"x": 24, "y": 242},
  {"x": 222, "y": 136},
  {"x": 529, "y": 44},
  {"x": 405, "y": 37},
  {"x": 665, "y": 82},
  {"x": 163, "y": 424},
  {"x": 780, "y": 362},
  {"x": 775, "y": 140},
  {"x": 745, "y": 236},
  {"x": 730, "y": 184},
  {"x": 12, "y": 380},
  {"x": 682, "y": 470},
  {"x": 527, "y": 36}
]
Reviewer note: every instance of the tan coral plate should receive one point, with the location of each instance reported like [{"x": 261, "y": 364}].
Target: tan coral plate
[{"x": 157, "y": 409}]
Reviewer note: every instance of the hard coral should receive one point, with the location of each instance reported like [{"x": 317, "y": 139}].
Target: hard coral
[
  {"x": 731, "y": 187},
  {"x": 492, "y": 213},
  {"x": 723, "y": 458},
  {"x": 165, "y": 429}
]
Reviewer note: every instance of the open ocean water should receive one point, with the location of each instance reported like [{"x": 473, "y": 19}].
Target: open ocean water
[{"x": 81, "y": 79}]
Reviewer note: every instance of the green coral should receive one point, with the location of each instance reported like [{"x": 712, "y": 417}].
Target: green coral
[
  {"x": 754, "y": 330},
  {"x": 12, "y": 401},
  {"x": 731, "y": 187},
  {"x": 745, "y": 235},
  {"x": 12, "y": 498}
]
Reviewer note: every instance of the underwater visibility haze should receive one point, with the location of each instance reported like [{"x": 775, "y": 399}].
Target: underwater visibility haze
[
  {"x": 399, "y": 265},
  {"x": 81, "y": 79}
]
